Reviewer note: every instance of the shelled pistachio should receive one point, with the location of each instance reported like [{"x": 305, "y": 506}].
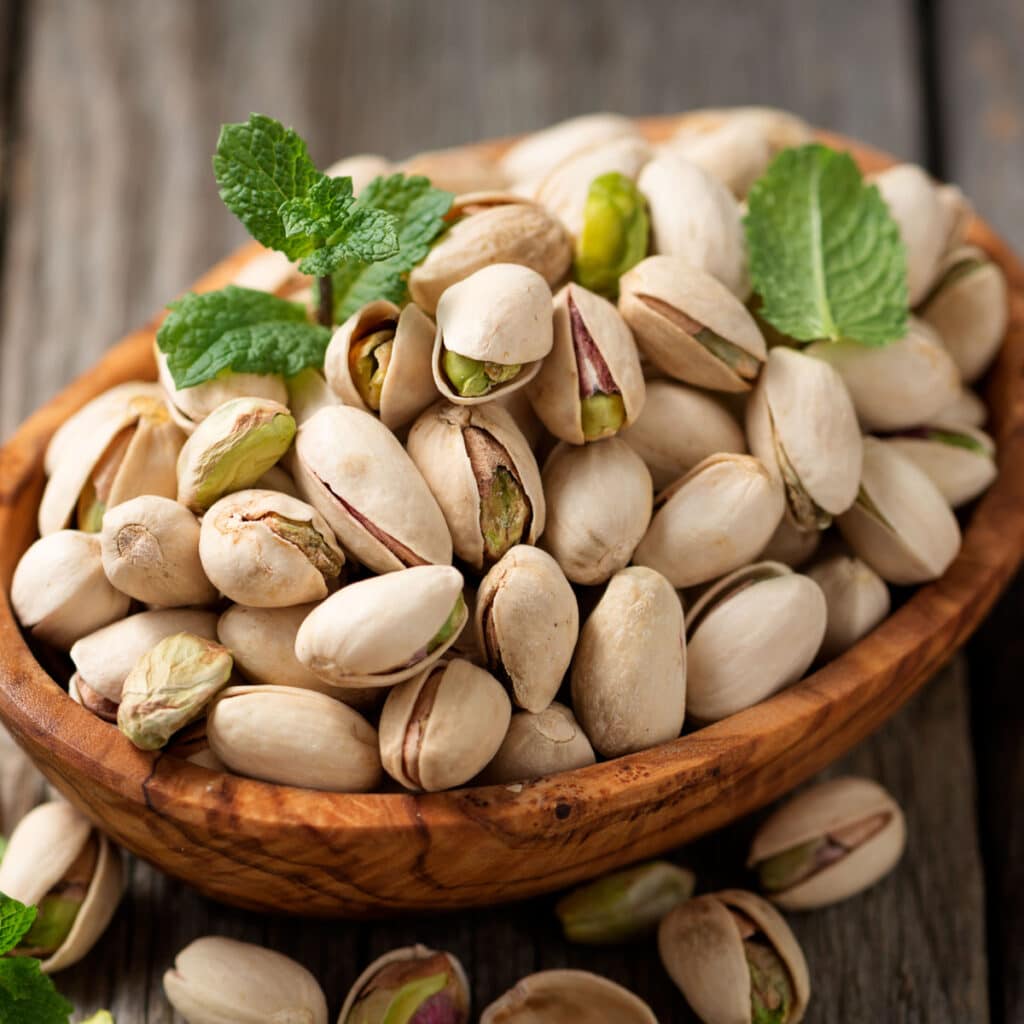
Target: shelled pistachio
[
  {"x": 539, "y": 743},
  {"x": 553, "y": 997}
]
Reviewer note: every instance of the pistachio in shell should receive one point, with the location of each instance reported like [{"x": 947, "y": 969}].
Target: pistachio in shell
[
  {"x": 308, "y": 393},
  {"x": 791, "y": 545},
  {"x": 966, "y": 409},
  {"x": 553, "y": 997},
  {"x": 960, "y": 460},
  {"x": 856, "y": 597}
]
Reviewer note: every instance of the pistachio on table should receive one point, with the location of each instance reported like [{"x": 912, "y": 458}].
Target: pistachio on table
[
  {"x": 856, "y": 597},
  {"x": 554, "y": 997}
]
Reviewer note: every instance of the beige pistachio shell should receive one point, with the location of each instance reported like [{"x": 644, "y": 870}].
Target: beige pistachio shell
[
  {"x": 599, "y": 501},
  {"x": 751, "y": 634},
  {"x": 629, "y": 673},
  {"x": 669, "y": 304},
  {"x": 713, "y": 520},
  {"x": 362, "y": 168},
  {"x": 356, "y": 474},
  {"x": 781, "y": 128},
  {"x": 967, "y": 409},
  {"x": 308, "y": 393},
  {"x": 456, "y": 170},
  {"x": 959, "y": 460},
  {"x": 900, "y": 524},
  {"x": 790, "y": 545},
  {"x": 60, "y": 592},
  {"x": 150, "y": 551},
  {"x": 856, "y": 597},
  {"x": 537, "y": 744}
]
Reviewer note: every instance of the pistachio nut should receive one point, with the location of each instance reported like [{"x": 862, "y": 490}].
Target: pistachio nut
[
  {"x": 231, "y": 449},
  {"x": 308, "y": 393},
  {"x": 357, "y": 475},
  {"x": 59, "y": 591},
  {"x": 414, "y": 985},
  {"x": 81, "y": 693},
  {"x": 856, "y": 597},
  {"x": 599, "y": 500},
  {"x": 554, "y": 997},
  {"x": 441, "y": 728},
  {"x": 959, "y": 460},
  {"x": 493, "y": 329},
  {"x": 751, "y": 634},
  {"x": 966, "y": 409},
  {"x": 734, "y": 958},
  {"x": 716, "y": 518},
  {"x": 527, "y": 623},
  {"x": 828, "y": 843},
  {"x": 169, "y": 686},
  {"x": 629, "y": 673},
  {"x": 382, "y": 630},
  {"x": 801, "y": 423},
  {"x": 539, "y": 743},
  {"x": 362, "y": 168},
  {"x": 56, "y": 861},
  {"x": 779, "y": 127},
  {"x": 484, "y": 476},
  {"x": 379, "y": 361},
  {"x": 690, "y": 325},
  {"x": 267, "y": 550},
  {"x": 615, "y": 233},
  {"x": 277, "y": 479},
  {"x": 625, "y": 904},
  {"x": 457, "y": 170},
  {"x": 294, "y": 737},
  {"x": 790, "y": 545},
  {"x": 900, "y": 523},
  {"x": 216, "y": 979}
]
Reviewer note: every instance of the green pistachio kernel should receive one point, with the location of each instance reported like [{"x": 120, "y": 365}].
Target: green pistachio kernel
[
  {"x": 100, "y": 1017},
  {"x": 615, "y": 233},
  {"x": 741, "y": 362},
  {"x": 408, "y": 999},
  {"x": 308, "y": 539},
  {"x": 53, "y": 923},
  {"x": 369, "y": 359},
  {"x": 602, "y": 415},
  {"x": 771, "y": 988},
  {"x": 790, "y": 866},
  {"x": 451, "y": 625},
  {"x": 472, "y": 378},
  {"x": 504, "y": 513},
  {"x": 957, "y": 440}
]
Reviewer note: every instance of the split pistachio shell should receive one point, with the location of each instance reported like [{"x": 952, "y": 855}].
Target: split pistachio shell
[
  {"x": 900, "y": 524},
  {"x": 715, "y": 519},
  {"x": 54, "y": 860},
  {"x": 599, "y": 500},
  {"x": 294, "y": 737},
  {"x": 362, "y": 168},
  {"x": 308, "y": 393},
  {"x": 357, "y": 475},
  {"x": 539, "y": 743},
  {"x": 828, "y": 843},
  {"x": 690, "y": 325},
  {"x": 382, "y": 630},
  {"x": 629, "y": 673},
  {"x": 480, "y": 469},
  {"x": 217, "y": 980},
  {"x": 456, "y": 170},
  {"x": 591, "y": 385},
  {"x": 150, "y": 551},
  {"x": 751, "y": 634},
  {"x": 856, "y": 597},
  {"x": 790, "y": 545},
  {"x": 59, "y": 590},
  {"x": 527, "y": 624},
  {"x": 959, "y": 460},
  {"x": 266, "y": 550},
  {"x": 734, "y": 958},
  {"x": 966, "y": 409}
]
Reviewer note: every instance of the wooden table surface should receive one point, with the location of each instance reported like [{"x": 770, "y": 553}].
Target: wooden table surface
[{"x": 108, "y": 116}]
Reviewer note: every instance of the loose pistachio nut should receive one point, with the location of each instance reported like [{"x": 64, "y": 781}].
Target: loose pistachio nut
[
  {"x": 856, "y": 597},
  {"x": 266, "y": 550},
  {"x": 539, "y": 743},
  {"x": 357, "y": 475},
  {"x": 629, "y": 673},
  {"x": 735, "y": 960},
  {"x": 900, "y": 523},
  {"x": 750, "y": 634},
  {"x": 215, "y": 980},
  {"x": 414, "y": 985},
  {"x": 615, "y": 233},
  {"x": 791, "y": 545},
  {"x": 553, "y": 997},
  {"x": 150, "y": 549},
  {"x": 713, "y": 520},
  {"x": 308, "y": 393},
  {"x": 382, "y": 630},
  {"x": 362, "y": 168},
  {"x": 59, "y": 591},
  {"x": 966, "y": 409},
  {"x": 690, "y": 325},
  {"x": 828, "y": 843},
  {"x": 960, "y": 460},
  {"x": 480, "y": 469},
  {"x": 441, "y": 728},
  {"x": 56, "y": 861}
]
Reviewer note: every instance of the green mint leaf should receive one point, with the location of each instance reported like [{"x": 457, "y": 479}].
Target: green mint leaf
[
  {"x": 15, "y": 921},
  {"x": 27, "y": 996},
  {"x": 825, "y": 254}
]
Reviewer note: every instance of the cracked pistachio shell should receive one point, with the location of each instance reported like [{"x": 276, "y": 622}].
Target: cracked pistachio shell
[
  {"x": 690, "y": 325},
  {"x": 362, "y": 168},
  {"x": 527, "y": 623},
  {"x": 150, "y": 550},
  {"x": 457, "y": 170},
  {"x": 217, "y": 980},
  {"x": 751, "y": 634},
  {"x": 856, "y": 597},
  {"x": 801, "y": 423},
  {"x": 591, "y": 385},
  {"x": 959, "y": 460},
  {"x": 554, "y": 997},
  {"x": 41, "y": 851},
  {"x": 599, "y": 500},
  {"x": 859, "y": 832},
  {"x": 382, "y": 630},
  {"x": 308, "y": 393},
  {"x": 537, "y": 744},
  {"x": 294, "y": 737},
  {"x": 266, "y": 550},
  {"x": 60, "y": 592},
  {"x": 484, "y": 476},
  {"x": 397, "y": 386},
  {"x": 702, "y": 948},
  {"x": 357, "y": 475},
  {"x": 791, "y": 546},
  {"x": 716, "y": 518},
  {"x": 899, "y": 385},
  {"x": 441, "y": 728},
  {"x": 629, "y": 673},
  {"x": 967, "y": 410}
]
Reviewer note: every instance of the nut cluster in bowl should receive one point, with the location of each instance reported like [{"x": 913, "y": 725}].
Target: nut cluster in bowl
[{"x": 566, "y": 481}]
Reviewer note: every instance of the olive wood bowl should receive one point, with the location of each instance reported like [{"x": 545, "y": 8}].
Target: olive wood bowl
[{"x": 278, "y": 848}]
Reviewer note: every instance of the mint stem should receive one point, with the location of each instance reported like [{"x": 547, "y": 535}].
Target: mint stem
[{"x": 325, "y": 310}]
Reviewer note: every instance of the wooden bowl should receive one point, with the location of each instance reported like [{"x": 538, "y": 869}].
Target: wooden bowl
[{"x": 276, "y": 848}]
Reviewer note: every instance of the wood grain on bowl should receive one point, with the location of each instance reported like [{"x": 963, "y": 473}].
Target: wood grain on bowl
[{"x": 277, "y": 848}]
